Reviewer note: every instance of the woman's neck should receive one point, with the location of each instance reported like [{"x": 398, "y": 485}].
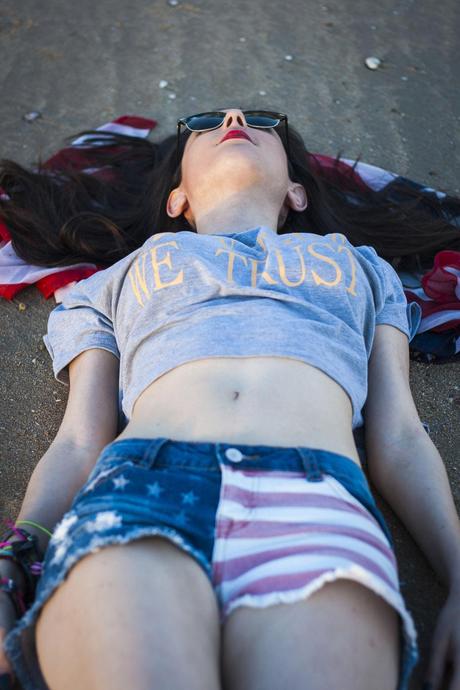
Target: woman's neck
[{"x": 234, "y": 215}]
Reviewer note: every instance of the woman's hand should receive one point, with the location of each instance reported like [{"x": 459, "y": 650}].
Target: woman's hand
[
  {"x": 8, "y": 618},
  {"x": 445, "y": 647}
]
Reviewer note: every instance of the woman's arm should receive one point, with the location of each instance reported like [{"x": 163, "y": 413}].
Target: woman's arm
[
  {"x": 406, "y": 468},
  {"x": 89, "y": 424},
  {"x": 410, "y": 475},
  {"x": 58, "y": 476},
  {"x": 404, "y": 464}
]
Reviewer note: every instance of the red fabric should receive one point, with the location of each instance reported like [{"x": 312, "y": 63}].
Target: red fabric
[
  {"x": 429, "y": 308},
  {"x": 77, "y": 159},
  {"x": 49, "y": 284},
  {"x": 71, "y": 159},
  {"x": 74, "y": 158},
  {"x": 440, "y": 284},
  {"x": 337, "y": 171},
  {"x": 9, "y": 291},
  {"x": 136, "y": 121},
  {"x": 4, "y": 232}
]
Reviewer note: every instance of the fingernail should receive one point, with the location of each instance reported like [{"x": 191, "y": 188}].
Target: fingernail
[{"x": 5, "y": 682}]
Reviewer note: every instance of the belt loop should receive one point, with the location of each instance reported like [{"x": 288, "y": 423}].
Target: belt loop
[
  {"x": 310, "y": 462},
  {"x": 151, "y": 452}
]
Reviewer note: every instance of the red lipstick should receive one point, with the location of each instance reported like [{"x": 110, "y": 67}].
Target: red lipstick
[{"x": 236, "y": 134}]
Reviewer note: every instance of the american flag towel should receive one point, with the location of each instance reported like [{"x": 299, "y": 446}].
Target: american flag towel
[
  {"x": 15, "y": 273},
  {"x": 434, "y": 293}
]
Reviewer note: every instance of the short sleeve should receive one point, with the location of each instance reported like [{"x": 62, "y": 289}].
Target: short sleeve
[
  {"x": 81, "y": 322},
  {"x": 394, "y": 309}
]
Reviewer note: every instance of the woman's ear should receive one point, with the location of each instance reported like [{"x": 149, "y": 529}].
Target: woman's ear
[
  {"x": 296, "y": 197},
  {"x": 177, "y": 203}
]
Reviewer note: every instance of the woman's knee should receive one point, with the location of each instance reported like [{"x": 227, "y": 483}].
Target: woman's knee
[{"x": 144, "y": 608}]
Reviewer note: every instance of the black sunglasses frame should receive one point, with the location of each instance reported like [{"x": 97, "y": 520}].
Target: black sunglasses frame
[{"x": 282, "y": 117}]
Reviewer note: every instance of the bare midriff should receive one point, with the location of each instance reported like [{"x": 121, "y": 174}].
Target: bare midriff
[{"x": 273, "y": 401}]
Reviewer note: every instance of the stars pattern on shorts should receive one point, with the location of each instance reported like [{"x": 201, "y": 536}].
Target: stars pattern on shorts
[
  {"x": 181, "y": 518},
  {"x": 154, "y": 489},
  {"x": 120, "y": 482},
  {"x": 189, "y": 498}
]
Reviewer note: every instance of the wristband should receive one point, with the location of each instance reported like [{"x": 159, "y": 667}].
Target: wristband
[
  {"x": 25, "y": 554},
  {"x": 34, "y": 524}
]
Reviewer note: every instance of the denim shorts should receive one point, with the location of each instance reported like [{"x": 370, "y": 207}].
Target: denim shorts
[{"x": 267, "y": 525}]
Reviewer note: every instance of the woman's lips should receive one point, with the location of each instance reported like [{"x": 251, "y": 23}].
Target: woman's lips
[{"x": 236, "y": 134}]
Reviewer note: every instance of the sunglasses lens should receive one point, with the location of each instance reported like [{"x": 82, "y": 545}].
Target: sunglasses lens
[
  {"x": 199, "y": 123},
  {"x": 257, "y": 119}
]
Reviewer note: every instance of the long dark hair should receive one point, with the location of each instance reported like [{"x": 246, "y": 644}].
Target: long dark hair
[{"x": 59, "y": 217}]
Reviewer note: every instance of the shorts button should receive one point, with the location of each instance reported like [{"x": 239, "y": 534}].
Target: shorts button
[{"x": 234, "y": 454}]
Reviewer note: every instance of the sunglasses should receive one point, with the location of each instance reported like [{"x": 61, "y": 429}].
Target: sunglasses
[{"x": 204, "y": 122}]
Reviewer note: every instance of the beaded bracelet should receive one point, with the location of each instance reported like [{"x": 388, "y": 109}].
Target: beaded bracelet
[{"x": 26, "y": 555}]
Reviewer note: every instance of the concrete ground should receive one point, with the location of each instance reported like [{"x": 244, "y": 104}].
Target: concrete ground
[{"x": 81, "y": 64}]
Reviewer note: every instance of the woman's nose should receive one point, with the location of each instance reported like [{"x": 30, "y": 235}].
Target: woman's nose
[{"x": 235, "y": 118}]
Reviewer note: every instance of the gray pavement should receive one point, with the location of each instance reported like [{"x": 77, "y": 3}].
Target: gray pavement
[{"x": 81, "y": 64}]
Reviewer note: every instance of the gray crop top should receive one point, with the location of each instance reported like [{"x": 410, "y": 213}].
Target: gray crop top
[{"x": 183, "y": 296}]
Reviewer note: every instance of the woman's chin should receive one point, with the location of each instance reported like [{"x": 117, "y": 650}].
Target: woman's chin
[{"x": 239, "y": 167}]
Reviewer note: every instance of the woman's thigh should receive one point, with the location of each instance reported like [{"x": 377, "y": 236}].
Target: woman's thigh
[
  {"x": 343, "y": 637},
  {"x": 140, "y": 615}
]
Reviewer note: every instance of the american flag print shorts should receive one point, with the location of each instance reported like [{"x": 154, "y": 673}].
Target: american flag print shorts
[{"x": 267, "y": 524}]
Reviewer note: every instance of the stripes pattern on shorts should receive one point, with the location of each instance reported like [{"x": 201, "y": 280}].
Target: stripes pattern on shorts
[{"x": 279, "y": 538}]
